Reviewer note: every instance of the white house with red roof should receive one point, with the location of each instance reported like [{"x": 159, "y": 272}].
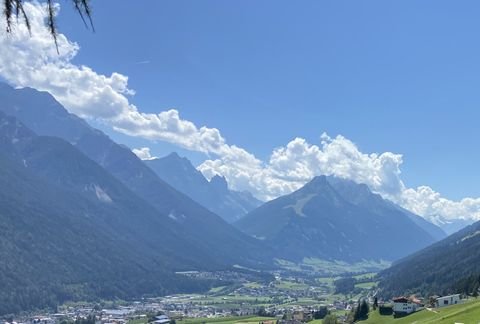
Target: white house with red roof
[{"x": 406, "y": 305}]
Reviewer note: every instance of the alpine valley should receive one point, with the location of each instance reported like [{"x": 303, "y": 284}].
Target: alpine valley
[{"x": 84, "y": 219}]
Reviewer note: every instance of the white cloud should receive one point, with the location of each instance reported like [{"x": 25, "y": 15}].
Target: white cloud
[
  {"x": 34, "y": 62},
  {"x": 430, "y": 204},
  {"x": 291, "y": 166},
  {"x": 144, "y": 153}
]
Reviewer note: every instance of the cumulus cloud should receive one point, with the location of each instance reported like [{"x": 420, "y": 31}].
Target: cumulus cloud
[
  {"x": 426, "y": 202},
  {"x": 33, "y": 61},
  {"x": 144, "y": 153},
  {"x": 291, "y": 166}
]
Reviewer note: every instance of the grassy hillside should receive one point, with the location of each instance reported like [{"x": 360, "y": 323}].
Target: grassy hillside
[{"x": 468, "y": 312}]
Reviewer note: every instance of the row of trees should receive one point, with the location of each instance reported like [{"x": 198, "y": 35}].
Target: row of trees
[
  {"x": 359, "y": 312},
  {"x": 330, "y": 319},
  {"x": 469, "y": 285}
]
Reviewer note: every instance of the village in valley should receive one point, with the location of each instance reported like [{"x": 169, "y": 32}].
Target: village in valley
[{"x": 287, "y": 299}]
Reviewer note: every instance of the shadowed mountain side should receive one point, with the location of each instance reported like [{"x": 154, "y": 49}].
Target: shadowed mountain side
[
  {"x": 70, "y": 231},
  {"x": 448, "y": 266},
  {"x": 211, "y": 234},
  {"x": 337, "y": 220}
]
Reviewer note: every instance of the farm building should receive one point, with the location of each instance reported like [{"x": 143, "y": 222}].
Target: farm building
[
  {"x": 447, "y": 300},
  {"x": 404, "y": 305}
]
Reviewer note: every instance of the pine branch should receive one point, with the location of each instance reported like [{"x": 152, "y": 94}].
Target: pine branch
[
  {"x": 14, "y": 8},
  {"x": 8, "y": 11},
  {"x": 51, "y": 23},
  {"x": 20, "y": 11}
]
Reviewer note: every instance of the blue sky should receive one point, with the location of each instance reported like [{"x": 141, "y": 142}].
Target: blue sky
[{"x": 399, "y": 76}]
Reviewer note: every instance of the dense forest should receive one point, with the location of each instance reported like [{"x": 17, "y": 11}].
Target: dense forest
[
  {"x": 48, "y": 263},
  {"x": 449, "y": 266}
]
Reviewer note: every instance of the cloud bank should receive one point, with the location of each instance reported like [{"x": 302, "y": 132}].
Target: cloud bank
[
  {"x": 33, "y": 61},
  {"x": 144, "y": 153}
]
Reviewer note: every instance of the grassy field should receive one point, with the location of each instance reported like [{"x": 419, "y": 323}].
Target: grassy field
[
  {"x": 467, "y": 313},
  {"x": 333, "y": 268},
  {"x": 366, "y": 285},
  {"x": 290, "y": 285},
  {"x": 217, "y": 289},
  {"x": 368, "y": 275},
  {"x": 227, "y": 320},
  {"x": 252, "y": 285}
]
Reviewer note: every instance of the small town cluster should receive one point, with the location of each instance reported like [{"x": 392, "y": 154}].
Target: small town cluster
[{"x": 178, "y": 308}]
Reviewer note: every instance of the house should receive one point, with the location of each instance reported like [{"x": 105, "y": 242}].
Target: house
[
  {"x": 447, "y": 300},
  {"x": 162, "y": 319},
  {"x": 43, "y": 320},
  {"x": 404, "y": 305},
  {"x": 302, "y": 316},
  {"x": 289, "y": 322}
]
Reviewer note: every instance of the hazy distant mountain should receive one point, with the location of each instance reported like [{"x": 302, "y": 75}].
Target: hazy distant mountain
[
  {"x": 214, "y": 194},
  {"x": 71, "y": 231},
  {"x": 448, "y": 266},
  {"x": 338, "y": 219},
  {"x": 44, "y": 115},
  {"x": 450, "y": 226}
]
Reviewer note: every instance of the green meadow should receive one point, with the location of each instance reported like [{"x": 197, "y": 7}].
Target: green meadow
[{"x": 466, "y": 313}]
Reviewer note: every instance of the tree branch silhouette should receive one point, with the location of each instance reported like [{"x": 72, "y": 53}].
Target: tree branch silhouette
[{"x": 14, "y": 9}]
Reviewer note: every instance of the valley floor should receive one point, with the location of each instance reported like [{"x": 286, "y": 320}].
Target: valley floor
[{"x": 295, "y": 289}]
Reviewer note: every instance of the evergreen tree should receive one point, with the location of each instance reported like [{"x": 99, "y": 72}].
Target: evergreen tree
[
  {"x": 330, "y": 319},
  {"x": 320, "y": 313},
  {"x": 375, "y": 303},
  {"x": 364, "y": 309},
  {"x": 360, "y": 312}
]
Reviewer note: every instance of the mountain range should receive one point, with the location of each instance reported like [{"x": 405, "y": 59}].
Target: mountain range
[
  {"x": 69, "y": 230},
  {"x": 214, "y": 194},
  {"x": 336, "y": 219},
  {"x": 83, "y": 217},
  {"x": 40, "y": 112}
]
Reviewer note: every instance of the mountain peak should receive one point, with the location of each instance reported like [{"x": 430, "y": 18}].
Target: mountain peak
[
  {"x": 316, "y": 184},
  {"x": 321, "y": 179},
  {"x": 219, "y": 183},
  {"x": 214, "y": 194},
  {"x": 173, "y": 156},
  {"x": 176, "y": 162},
  {"x": 340, "y": 220},
  {"x": 350, "y": 188}
]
